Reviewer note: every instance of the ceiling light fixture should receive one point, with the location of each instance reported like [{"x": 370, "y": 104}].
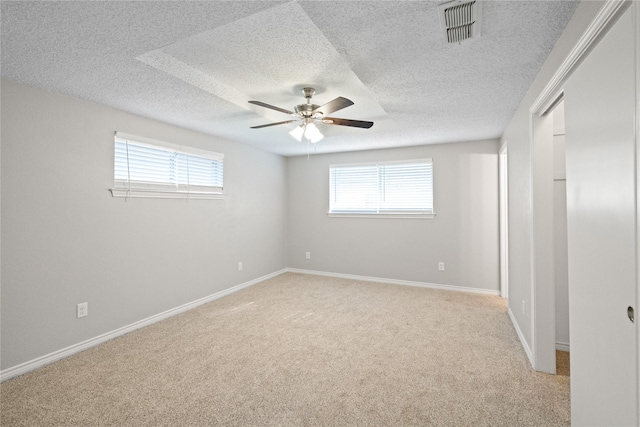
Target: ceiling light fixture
[
  {"x": 297, "y": 132},
  {"x": 308, "y": 130},
  {"x": 309, "y": 113}
]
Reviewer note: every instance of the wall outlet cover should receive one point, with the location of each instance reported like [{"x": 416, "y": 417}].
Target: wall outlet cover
[{"x": 82, "y": 310}]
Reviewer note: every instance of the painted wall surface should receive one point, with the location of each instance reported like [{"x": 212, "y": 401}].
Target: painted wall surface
[
  {"x": 66, "y": 240},
  {"x": 517, "y": 137},
  {"x": 463, "y": 235}
]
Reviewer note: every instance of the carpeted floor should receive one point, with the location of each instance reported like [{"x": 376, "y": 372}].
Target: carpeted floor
[
  {"x": 563, "y": 365},
  {"x": 302, "y": 350}
]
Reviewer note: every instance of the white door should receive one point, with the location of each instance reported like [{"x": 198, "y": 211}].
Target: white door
[{"x": 601, "y": 170}]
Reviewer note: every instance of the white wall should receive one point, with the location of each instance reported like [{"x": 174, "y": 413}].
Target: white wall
[
  {"x": 65, "y": 240},
  {"x": 463, "y": 235},
  {"x": 517, "y": 136}
]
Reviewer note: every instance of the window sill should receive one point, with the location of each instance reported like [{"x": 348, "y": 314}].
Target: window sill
[
  {"x": 164, "y": 194},
  {"x": 381, "y": 215}
]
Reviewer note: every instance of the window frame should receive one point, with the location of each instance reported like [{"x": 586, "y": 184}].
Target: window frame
[
  {"x": 158, "y": 190},
  {"x": 417, "y": 214}
]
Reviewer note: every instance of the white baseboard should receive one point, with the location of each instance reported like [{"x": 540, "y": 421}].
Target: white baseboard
[
  {"x": 523, "y": 341},
  {"x": 397, "y": 282},
  {"x": 562, "y": 346},
  {"x": 76, "y": 348}
]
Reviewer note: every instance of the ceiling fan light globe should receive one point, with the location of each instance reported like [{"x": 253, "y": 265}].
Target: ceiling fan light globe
[
  {"x": 312, "y": 133},
  {"x": 297, "y": 132}
]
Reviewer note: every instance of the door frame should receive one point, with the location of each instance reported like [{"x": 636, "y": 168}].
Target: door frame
[
  {"x": 503, "y": 165},
  {"x": 542, "y": 343}
]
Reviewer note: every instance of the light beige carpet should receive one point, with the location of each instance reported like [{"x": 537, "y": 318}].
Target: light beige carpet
[
  {"x": 301, "y": 350},
  {"x": 563, "y": 363}
]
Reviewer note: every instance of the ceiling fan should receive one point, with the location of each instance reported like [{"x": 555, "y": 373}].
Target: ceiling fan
[{"x": 310, "y": 113}]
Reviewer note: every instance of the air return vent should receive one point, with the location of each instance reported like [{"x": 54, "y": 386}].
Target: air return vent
[{"x": 460, "y": 20}]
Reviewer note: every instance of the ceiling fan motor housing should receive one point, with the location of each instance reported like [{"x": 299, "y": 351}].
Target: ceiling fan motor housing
[{"x": 306, "y": 110}]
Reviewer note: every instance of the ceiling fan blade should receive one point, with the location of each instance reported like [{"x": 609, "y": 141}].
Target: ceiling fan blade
[
  {"x": 282, "y": 110},
  {"x": 273, "y": 124},
  {"x": 332, "y": 106},
  {"x": 347, "y": 122}
]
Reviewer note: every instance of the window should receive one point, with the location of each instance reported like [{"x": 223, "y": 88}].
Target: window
[
  {"x": 391, "y": 189},
  {"x": 145, "y": 168}
]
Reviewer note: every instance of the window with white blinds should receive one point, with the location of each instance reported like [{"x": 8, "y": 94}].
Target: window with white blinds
[
  {"x": 394, "y": 189},
  {"x": 163, "y": 170}
]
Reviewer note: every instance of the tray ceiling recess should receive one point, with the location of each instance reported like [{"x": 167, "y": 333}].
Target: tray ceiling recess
[{"x": 460, "y": 20}]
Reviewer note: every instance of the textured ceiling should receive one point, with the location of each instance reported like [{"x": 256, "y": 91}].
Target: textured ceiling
[{"x": 197, "y": 63}]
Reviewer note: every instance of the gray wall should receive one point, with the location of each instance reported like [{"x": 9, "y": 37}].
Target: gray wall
[
  {"x": 517, "y": 136},
  {"x": 464, "y": 233},
  {"x": 65, "y": 240}
]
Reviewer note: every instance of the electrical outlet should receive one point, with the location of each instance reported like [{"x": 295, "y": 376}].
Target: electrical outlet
[
  {"x": 524, "y": 307},
  {"x": 441, "y": 266},
  {"x": 82, "y": 310},
  {"x": 308, "y": 255},
  {"x": 240, "y": 266}
]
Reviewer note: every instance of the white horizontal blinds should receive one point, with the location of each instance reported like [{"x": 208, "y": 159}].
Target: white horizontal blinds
[
  {"x": 406, "y": 187},
  {"x": 140, "y": 164},
  {"x": 382, "y": 188},
  {"x": 354, "y": 189},
  {"x": 193, "y": 170}
]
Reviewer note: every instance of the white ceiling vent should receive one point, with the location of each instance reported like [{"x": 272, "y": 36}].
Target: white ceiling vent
[{"x": 460, "y": 20}]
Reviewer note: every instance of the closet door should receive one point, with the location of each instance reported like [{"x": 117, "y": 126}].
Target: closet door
[{"x": 602, "y": 218}]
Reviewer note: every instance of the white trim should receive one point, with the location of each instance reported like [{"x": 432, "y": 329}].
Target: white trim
[
  {"x": 543, "y": 285},
  {"x": 523, "y": 341},
  {"x": 397, "y": 282},
  {"x": 562, "y": 346},
  {"x": 503, "y": 172},
  {"x": 39, "y": 362},
  {"x": 532, "y": 257},
  {"x": 146, "y": 141},
  {"x": 428, "y": 160},
  {"x": 178, "y": 147},
  {"x": 553, "y": 89},
  {"x": 380, "y": 215},
  {"x": 164, "y": 194}
]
